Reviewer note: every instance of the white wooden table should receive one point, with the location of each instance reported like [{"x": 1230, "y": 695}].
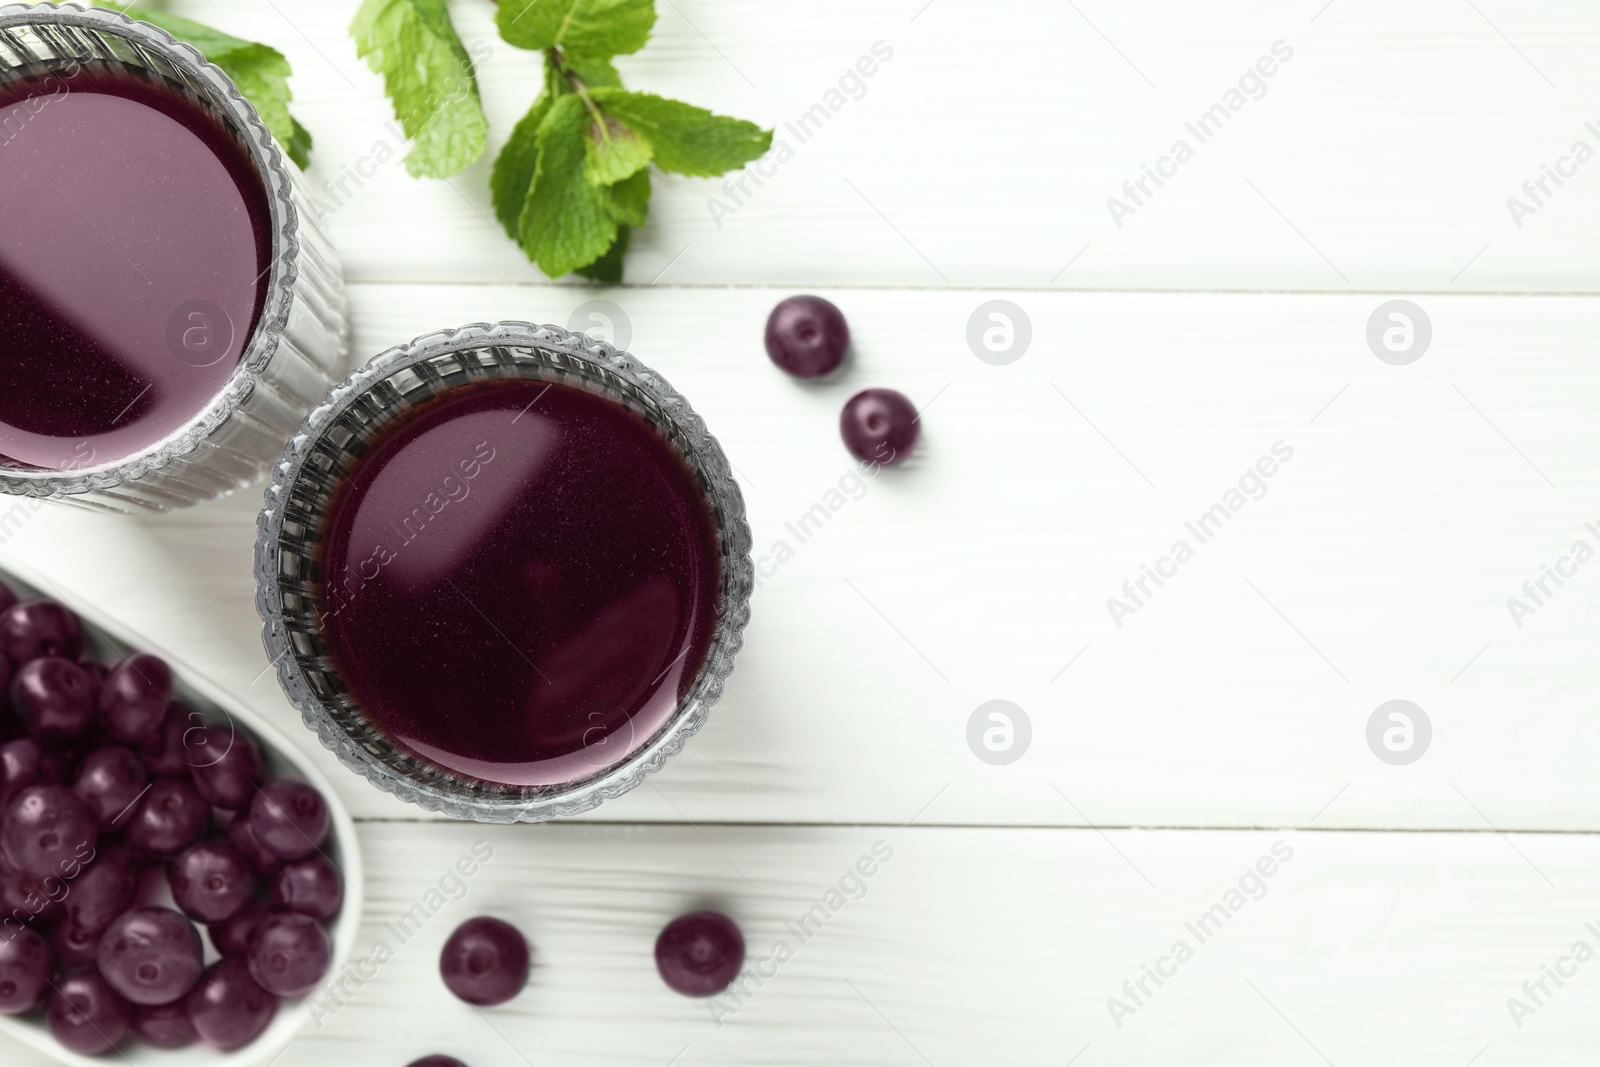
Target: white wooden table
[{"x": 1224, "y": 719}]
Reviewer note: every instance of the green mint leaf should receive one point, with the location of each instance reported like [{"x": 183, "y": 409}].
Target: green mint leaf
[
  {"x": 613, "y": 152},
  {"x": 209, "y": 41},
  {"x": 515, "y": 167},
  {"x": 608, "y": 268},
  {"x": 602, "y": 28},
  {"x": 594, "y": 73},
  {"x": 629, "y": 200},
  {"x": 566, "y": 222},
  {"x": 683, "y": 138},
  {"x": 429, "y": 78},
  {"x": 260, "y": 71},
  {"x": 299, "y": 146}
]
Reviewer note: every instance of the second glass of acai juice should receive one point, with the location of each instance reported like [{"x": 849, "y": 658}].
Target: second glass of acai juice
[
  {"x": 169, "y": 309},
  {"x": 504, "y": 571}
]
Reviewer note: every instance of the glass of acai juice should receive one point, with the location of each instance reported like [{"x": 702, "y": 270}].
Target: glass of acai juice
[
  {"x": 169, "y": 309},
  {"x": 504, "y": 571}
]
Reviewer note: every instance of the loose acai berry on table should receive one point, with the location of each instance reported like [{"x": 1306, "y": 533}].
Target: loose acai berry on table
[
  {"x": 105, "y": 779},
  {"x": 485, "y": 962},
  {"x": 699, "y": 954},
  {"x": 807, "y": 336},
  {"x": 879, "y": 426}
]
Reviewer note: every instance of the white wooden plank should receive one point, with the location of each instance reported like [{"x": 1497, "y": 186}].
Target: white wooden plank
[
  {"x": 1376, "y": 567},
  {"x": 984, "y": 152},
  {"x": 1000, "y": 946}
]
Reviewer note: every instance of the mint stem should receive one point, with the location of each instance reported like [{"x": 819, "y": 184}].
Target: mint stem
[{"x": 559, "y": 61}]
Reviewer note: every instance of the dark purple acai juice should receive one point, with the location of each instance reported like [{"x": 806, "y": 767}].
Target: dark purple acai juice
[
  {"x": 520, "y": 581},
  {"x": 134, "y": 244}
]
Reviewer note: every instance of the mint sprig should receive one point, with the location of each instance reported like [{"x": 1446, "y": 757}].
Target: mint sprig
[
  {"x": 573, "y": 179},
  {"x": 430, "y": 80},
  {"x": 570, "y": 223},
  {"x": 260, "y": 71}
]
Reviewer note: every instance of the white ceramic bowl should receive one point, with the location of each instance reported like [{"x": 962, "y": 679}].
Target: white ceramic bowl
[{"x": 108, "y": 640}]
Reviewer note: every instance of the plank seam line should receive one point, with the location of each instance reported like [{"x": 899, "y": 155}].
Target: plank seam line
[
  {"x": 1062, "y": 289},
  {"x": 1151, "y": 827}
]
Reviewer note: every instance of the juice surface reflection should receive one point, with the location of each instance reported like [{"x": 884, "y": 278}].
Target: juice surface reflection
[
  {"x": 521, "y": 582},
  {"x": 134, "y": 244}
]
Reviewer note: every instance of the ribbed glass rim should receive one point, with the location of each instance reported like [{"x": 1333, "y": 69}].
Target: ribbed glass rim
[
  {"x": 155, "y": 49},
  {"x": 303, "y": 483}
]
